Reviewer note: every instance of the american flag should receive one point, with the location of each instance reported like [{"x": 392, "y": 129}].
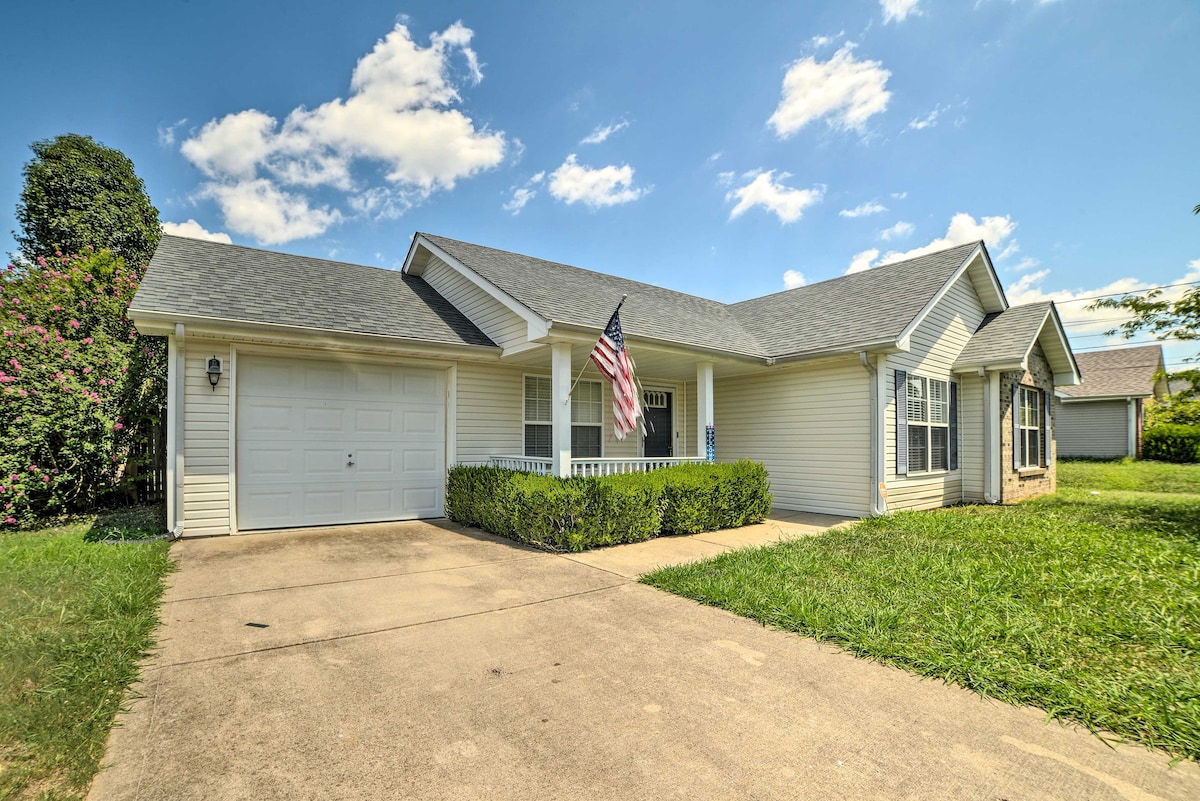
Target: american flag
[{"x": 611, "y": 357}]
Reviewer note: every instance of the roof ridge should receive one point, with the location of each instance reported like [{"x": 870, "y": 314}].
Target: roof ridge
[
  {"x": 887, "y": 267},
  {"x": 206, "y": 242},
  {"x": 575, "y": 267}
]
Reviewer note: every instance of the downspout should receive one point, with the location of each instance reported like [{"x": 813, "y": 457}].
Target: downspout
[
  {"x": 878, "y": 502},
  {"x": 991, "y": 435},
  {"x": 179, "y": 389}
]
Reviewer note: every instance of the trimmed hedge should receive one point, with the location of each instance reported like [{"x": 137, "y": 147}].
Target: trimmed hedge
[
  {"x": 574, "y": 514},
  {"x": 1172, "y": 443}
]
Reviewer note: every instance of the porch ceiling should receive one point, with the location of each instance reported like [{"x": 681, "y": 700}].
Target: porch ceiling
[{"x": 649, "y": 362}]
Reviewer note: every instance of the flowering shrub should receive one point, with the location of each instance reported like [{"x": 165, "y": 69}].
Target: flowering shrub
[{"x": 74, "y": 377}]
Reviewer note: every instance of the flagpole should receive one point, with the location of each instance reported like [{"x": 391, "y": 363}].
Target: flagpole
[{"x": 579, "y": 377}]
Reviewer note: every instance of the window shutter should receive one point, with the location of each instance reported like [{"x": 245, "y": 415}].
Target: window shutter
[
  {"x": 901, "y": 422},
  {"x": 953, "y": 425},
  {"x": 1045, "y": 428},
  {"x": 1016, "y": 427}
]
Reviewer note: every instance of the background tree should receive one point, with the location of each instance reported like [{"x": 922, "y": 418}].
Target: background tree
[{"x": 79, "y": 194}]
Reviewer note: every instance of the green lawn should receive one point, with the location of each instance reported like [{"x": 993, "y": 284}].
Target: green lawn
[
  {"x": 1086, "y": 603},
  {"x": 75, "y": 618}
]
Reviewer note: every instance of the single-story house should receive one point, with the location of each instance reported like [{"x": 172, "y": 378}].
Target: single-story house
[
  {"x": 311, "y": 392},
  {"x": 1102, "y": 416}
]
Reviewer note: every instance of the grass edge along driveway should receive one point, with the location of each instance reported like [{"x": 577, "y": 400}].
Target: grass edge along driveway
[
  {"x": 76, "y": 617},
  {"x": 1085, "y": 603}
]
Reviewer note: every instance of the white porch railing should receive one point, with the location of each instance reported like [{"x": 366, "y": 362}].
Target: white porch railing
[{"x": 594, "y": 467}]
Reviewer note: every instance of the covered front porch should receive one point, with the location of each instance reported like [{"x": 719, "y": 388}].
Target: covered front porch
[{"x": 567, "y": 417}]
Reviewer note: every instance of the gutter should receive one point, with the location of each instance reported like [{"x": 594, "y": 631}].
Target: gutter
[{"x": 878, "y": 498}]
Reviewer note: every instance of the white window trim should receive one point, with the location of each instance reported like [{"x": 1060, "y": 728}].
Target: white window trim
[
  {"x": 929, "y": 426},
  {"x": 1022, "y": 427},
  {"x": 525, "y": 421}
]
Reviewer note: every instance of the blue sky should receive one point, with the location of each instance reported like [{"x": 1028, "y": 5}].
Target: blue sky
[{"x": 726, "y": 150}]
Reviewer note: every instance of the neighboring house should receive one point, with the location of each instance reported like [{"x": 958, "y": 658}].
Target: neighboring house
[
  {"x": 345, "y": 391},
  {"x": 1102, "y": 416}
]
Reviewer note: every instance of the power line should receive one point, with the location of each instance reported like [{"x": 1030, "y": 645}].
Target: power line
[
  {"x": 1120, "y": 346},
  {"x": 1130, "y": 292}
]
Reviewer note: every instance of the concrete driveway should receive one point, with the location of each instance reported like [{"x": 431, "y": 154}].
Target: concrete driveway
[{"x": 425, "y": 661}]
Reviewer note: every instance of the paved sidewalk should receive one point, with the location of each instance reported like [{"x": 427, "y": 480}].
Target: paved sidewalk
[
  {"x": 637, "y": 558},
  {"x": 428, "y": 661}
]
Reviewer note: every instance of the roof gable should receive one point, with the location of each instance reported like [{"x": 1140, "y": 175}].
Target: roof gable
[{"x": 1004, "y": 341}]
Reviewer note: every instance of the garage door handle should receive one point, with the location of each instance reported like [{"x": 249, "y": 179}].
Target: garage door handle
[{"x": 349, "y": 464}]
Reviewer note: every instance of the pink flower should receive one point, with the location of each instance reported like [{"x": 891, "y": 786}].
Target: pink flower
[
  {"x": 87, "y": 340},
  {"x": 45, "y": 479},
  {"x": 117, "y": 427},
  {"x": 10, "y": 520},
  {"x": 87, "y": 370},
  {"x": 22, "y": 393},
  {"x": 73, "y": 323}
]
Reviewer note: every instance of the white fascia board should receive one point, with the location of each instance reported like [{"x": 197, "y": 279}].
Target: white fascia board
[
  {"x": 988, "y": 366},
  {"x": 222, "y": 328},
  {"x": 978, "y": 252},
  {"x": 538, "y": 325},
  {"x": 1063, "y": 344}
]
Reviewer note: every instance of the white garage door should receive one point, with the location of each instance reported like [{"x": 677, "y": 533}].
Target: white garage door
[{"x": 323, "y": 442}]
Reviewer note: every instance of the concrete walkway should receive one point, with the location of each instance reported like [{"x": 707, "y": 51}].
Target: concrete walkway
[{"x": 426, "y": 661}]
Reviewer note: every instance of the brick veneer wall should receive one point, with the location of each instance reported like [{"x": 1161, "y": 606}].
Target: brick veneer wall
[{"x": 1015, "y": 484}]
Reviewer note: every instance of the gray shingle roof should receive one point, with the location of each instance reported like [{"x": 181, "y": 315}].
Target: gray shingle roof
[
  {"x": 582, "y": 297},
  {"x": 873, "y": 305},
  {"x": 1120, "y": 371},
  {"x": 211, "y": 279},
  {"x": 868, "y": 306},
  {"x": 1004, "y": 336}
]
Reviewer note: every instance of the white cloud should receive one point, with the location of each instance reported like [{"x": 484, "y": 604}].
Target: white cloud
[
  {"x": 602, "y": 132},
  {"x": 714, "y": 157},
  {"x": 844, "y": 91},
  {"x": 862, "y": 261},
  {"x": 166, "y": 133},
  {"x": 897, "y": 231},
  {"x": 383, "y": 202},
  {"x": 398, "y": 115},
  {"x": 259, "y": 209},
  {"x": 963, "y": 228},
  {"x": 194, "y": 230},
  {"x": 793, "y": 279},
  {"x": 726, "y": 178},
  {"x": 899, "y": 195},
  {"x": 928, "y": 121},
  {"x": 819, "y": 42},
  {"x": 573, "y": 182},
  {"x": 521, "y": 195},
  {"x": 863, "y": 210},
  {"x": 786, "y": 203},
  {"x": 897, "y": 10}
]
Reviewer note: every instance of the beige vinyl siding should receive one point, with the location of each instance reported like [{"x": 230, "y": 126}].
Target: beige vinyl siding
[
  {"x": 810, "y": 426},
  {"x": 489, "y": 420},
  {"x": 501, "y": 324},
  {"x": 687, "y": 438},
  {"x": 935, "y": 344},
  {"x": 206, "y": 442},
  {"x": 971, "y": 436},
  {"x": 1096, "y": 429}
]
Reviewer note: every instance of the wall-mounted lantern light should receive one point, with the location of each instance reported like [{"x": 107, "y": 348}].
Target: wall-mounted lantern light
[{"x": 214, "y": 372}]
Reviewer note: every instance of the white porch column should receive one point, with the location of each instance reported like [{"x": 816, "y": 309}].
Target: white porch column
[
  {"x": 704, "y": 407},
  {"x": 560, "y": 417},
  {"x": 177, "y": 392},
  {"x": 1131, "y": 427}
]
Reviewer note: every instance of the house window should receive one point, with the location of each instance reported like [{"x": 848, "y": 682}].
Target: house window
[
  {"x": 1029, "y": 428},
  {"x": 928, "y": 405},
  {"x": 587, "y": 418}
]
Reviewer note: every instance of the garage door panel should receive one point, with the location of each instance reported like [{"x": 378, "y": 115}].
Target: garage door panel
[{"x": 301, "y": 425}]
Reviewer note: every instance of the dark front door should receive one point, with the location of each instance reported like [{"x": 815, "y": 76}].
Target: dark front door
[{"x": 656, "y": 406}]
